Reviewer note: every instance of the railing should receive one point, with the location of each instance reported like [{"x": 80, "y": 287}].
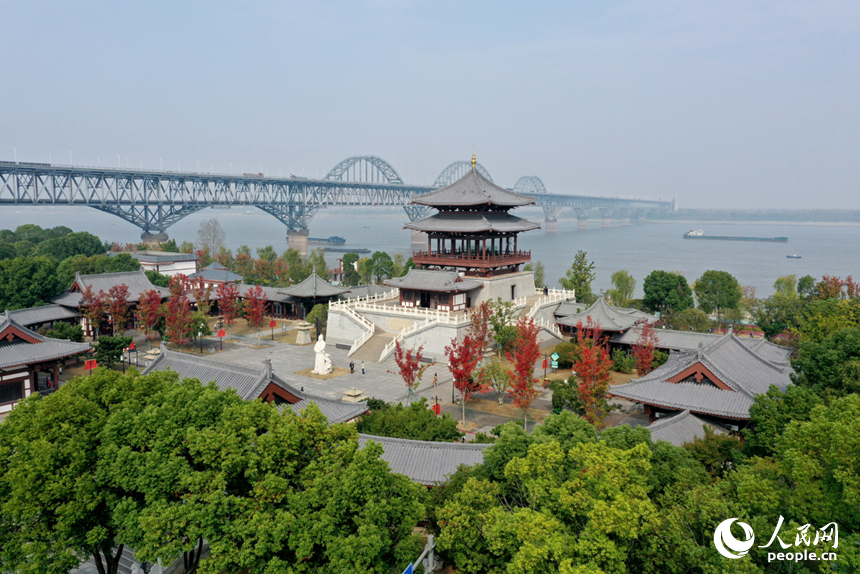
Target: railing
[
  {"x": 405, "y": 332},
  {"x": 394, "y": 292},
  {"x": 551, "y": 327},
  {"x": 407, "y": 311},
  {"x": 369, "y": 327},
  {"x": 468, "y": 257},
  {"x": 552, "y": 296}
]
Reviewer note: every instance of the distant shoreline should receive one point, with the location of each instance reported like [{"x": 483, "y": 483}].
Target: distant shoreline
[{"x": 755, "y": 222}]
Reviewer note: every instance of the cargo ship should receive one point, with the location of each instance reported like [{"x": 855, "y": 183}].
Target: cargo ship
[
  {"x": 345, "y": 250},
  {"x": 699, "y": 234},
  {"x": 333, "y": 240}
]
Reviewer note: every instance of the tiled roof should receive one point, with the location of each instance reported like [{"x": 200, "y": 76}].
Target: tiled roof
[
  {"x": 44, "y": 314},
  {"x": 607, "y": 317},
  {"x": 68, "y": 299},
  {"x": 157, "y": 256},
  {"x": 746, "y": 373},
  {"x": 568, "y": 308},
  {"x": 473, "y": 222},
  {"x": 221, "y": 274},
  {"x": 274, "y": 294},
  {"x": 472, "y": 189},
  {"x": 426, "y": 462},
  {"x": 689, "y": 340},
  {"x": 46, "y": 349},
  {"x": 314, "y": 286},
  {"x": 681, "y": 428},
  {"x": 430, "y": 280},
  {"x": 136, "y": 281}
]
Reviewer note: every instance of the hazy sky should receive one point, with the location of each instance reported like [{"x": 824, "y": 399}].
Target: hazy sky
[{"x": 740, "y": 104}]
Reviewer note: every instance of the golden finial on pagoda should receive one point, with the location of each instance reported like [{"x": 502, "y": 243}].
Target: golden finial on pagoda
[{"x": 474, "y": 159}]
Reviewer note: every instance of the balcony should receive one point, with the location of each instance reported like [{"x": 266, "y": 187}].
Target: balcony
[{"x": 470, "y": 259}]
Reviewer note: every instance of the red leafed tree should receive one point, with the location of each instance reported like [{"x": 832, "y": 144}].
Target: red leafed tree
[
  {"x": 643, "y": 349},
  {"x": 149, "y": 311},
  {"x": 117, "y": 305},
  {"x": 95, "y": 309},
  {"x": 463, "y": 358},
  {"x": 228, "y": 302},
  {"x": 592, "y": 368},
  {"x": 177, "y": 320},
  {"x": 524, "y": 353},
  {"x": 202, "y": 292},
  {"x": 409, "y": 367},
  {"x": 852, "y": 289},
  {"x": 480, "y": 326},
  {"x": 830, "y": 287},
  {"x": 256, "y": 306}
]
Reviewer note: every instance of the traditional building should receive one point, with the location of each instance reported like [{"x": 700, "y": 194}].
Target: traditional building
[
  {"x": 45, "y": 316},
  {"x": 312, "y": 291},
  {"x": 601, "y": 314},
  {"x": 164, "y": 262},
  {"x": 719, "y": 381},
  {"x": 682, "y": 428},
  {"x": 29, "y": 362},
  {"x": 214, "y": 275},
  {"x": 442, "y": 290},
  {"x": 671, "y": 340}
]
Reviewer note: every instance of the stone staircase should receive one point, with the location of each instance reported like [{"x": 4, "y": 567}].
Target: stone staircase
[{"x": 372, "y": 349}]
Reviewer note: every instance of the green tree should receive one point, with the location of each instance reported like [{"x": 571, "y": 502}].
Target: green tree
[
  {"x": 820, "y": 318},
  {"x": 502, "y": 323},
  {"x": 66, "y": 331},
  {"x": 540, "y": 273},
  {"x": 169, "y": 246},
  {"x": 416, "y": 422},
  {"x": 157, "y": 278},
  {"x": 623, "y": 285},
  {"x": 666, "y": 293},
  {"x": 806, "y": 288},
  {"x": 109, "y": 350},
  {"x": 27, "y": 282},
  {"x": 320, "y": 311},
  {"x": 718, "y": 453},
  {"x": 382, "y": 265},
  {"x": 579, "y": 277},
  {"x": 717, "y": 291},
  {"x": 831, "y": 366},
  {"x": 350, "y": 273},
  {"x": 317, "y": 263},
  {"x": 777, "y": 313},
  {"x": 365, "y": 270},
  {"x": 692, "y": 319},
  {"x": 786, "y": 285},
  {"x": 772, "y": 412},
  {"x": 92, "y": 265},
  {"x": 80, "y": 243}
]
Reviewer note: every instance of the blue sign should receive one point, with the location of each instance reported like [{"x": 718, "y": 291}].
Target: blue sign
[
  {"x": 554, "y": 356},
  {"x": 408, "y": 569},
  {"x": 555, "y": 364}
]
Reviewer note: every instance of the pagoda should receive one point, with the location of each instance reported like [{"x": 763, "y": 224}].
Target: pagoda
[{"x": 472, "y": 232}]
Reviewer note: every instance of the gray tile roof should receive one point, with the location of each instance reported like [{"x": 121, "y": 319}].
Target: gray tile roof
[
  {"x": 156, "y": 256},
  {"x": 681, "y": 428},
  {"x": 472, "y": 189},
  {"x": 430, "y": 280},
  {"x": 426, "y": 462},
  {"x": 68, "y": 299},
  {"x": 44, "y": 314},
  {"x": 250, "y": 384},
  {"x": 20, "y": 353},
  {"x": 689, "y": 340},
  {"x": 569, "y": 308},
  {"x": 746, "y": 373},
  {"x": 216, "y": 272},
  {"x": 136, "y": 281},
  {"x": 314, "y": 286},
  {"x": 607, "y": 317},
  {"x": 274, "y": 294},
  {"x": 473, "y": 222}
]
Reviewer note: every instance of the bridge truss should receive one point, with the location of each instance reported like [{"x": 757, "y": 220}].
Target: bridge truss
[{"x": 155, "y": 200}]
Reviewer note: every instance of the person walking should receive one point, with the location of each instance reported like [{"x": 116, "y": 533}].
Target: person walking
[
  {"x": 435, "y": 379},
  {"x": 352, "y": 367},
  {"x": 362, "y": 367}
]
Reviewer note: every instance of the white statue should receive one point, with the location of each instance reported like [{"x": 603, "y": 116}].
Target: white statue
[{"x": 322, "y": 364}]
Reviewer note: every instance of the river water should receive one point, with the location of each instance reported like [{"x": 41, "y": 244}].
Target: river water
[{"x": 638, "y": 248}]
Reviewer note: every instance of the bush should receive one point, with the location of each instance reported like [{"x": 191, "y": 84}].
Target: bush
[
  {"x": 622, "y": 362},
  {"x": 66, "y": 331},
  {"x": 416, "y": 422},
  {"x": 567, "y": 353}
]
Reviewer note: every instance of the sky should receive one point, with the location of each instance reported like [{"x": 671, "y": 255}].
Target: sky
[{"x": 740, "y": 104}]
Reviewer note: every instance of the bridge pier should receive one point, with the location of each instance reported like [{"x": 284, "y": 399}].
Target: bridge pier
[
  {"x": 298, "y": 240},
  {"x": 551, "y": 225},
  {"x": 153, "y": 238},
  {"x": 625, "y": 220},
  {"x": 606, "y": 214}
]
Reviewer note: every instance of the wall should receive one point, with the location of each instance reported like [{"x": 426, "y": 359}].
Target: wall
[
  {"x": 496, "y": 287},
  {"x": 341, "y": 328}
]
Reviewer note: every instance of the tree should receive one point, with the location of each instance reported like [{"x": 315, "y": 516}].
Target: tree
[
  {"x": 382, "y": 265},
  {"x": 667, "y": 293},
  {"x": 831, "y": 366},
  {"x": 592, "y": 369},
  {"x": 365, "y": 270},
  {"x": 118, "y": 308},
  {"x": 66, "y": 331},
  {"x": 317, "y": 263},
  {"x": 502, "y": 322},
  {"x": 319, "y": 312},
  {"x": 717, "y": 291},
  {"x": 177, "y": 319},
  {"x": 540, "y": 273},
  {"x": 692, "y": 319},
  {"x": 623, "y": 285},
  {"x": 94, "y": 306},
  {"x": 718, "y": 453},
  {"x": 202, "y": 293},
  {"x": 157, "y": 278},
  {"x": 409, "y": 367},
  {"x": 479, "y": 326},
  {"x": 256, "y": 306},
  {"x": 228, "y": 299},
  {"x": 772, "y": 412},
  {"x": 786, "y": 285},
  {"x": 830, "y": 287},
  {"x": 524, "y": 354},
  {"x": 350, "y": 273},
  {"x": 777, "y": 313},
  {"x": 643, "y": 348},
  {"x": 149, "y": 311},
  {"x": 169, "y": 246},
  {"x": 579, "y": 277},
  {"x": 415, "y": 422},
  {"x": 109, "y": 350},
  {"x": 27, "y": 282},
  {"x": 463, "y": 358},
  {"x": 495, "y": 375},
  {"x": 79, "y": 243}
]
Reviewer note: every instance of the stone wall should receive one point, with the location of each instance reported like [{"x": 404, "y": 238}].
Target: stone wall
[{"x": 500, "y": 287}]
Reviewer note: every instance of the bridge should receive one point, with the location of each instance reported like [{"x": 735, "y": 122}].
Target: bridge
[{"x": 155, "y": 200}]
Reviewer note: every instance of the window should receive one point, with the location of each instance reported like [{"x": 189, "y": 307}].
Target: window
[
  {"x": 11, "y": 392},
  {"x": 513, "y": 292},
  {"x": 443, "y": 299},
  {"x": 407, "y": 295}
]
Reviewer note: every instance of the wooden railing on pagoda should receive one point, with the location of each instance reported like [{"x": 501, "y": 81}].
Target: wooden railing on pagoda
[{"x": 470, "y": 259}]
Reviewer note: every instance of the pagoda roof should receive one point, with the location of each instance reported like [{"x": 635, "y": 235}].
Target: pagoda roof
[
  {"x": 736, "y": 375},
  {"x": 314, "y": 286},
  {"x": 690, "y": 340},
  {"x": 216, "y": 272},
  {"x": 432, "y": 280},
  {"x": 607, "y": 317},
  {"x": 473, "y": 222},
  {"x": 22, "y": 346},
  {"x": 681, "y": 428},
  {"x": 471, "y": 190}
]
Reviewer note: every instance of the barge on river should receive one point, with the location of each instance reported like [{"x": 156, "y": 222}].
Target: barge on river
[{"x": 699, "y": 234}]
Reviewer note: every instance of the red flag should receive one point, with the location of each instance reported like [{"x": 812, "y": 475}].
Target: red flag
[
  {"x": 131, "y": 347},
  {"x": 544, "y": 363},
  {"x": 273, "y": 323},
  {"x": 222, "y": 332}
]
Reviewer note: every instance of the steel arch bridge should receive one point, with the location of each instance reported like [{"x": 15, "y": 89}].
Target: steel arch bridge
[
  {"x": 155, "y": 200},
  {"x": 457, "y": 170}
]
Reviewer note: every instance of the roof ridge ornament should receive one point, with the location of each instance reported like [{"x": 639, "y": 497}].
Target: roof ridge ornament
[{"x": 474, "y": 159}]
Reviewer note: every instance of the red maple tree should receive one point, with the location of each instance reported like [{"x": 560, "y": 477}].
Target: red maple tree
[
  {"x": 149, "y": 311},
  {"x": 178, "y": 317},
  {"x": 409, "y": 367},
  {"x": 592, "y": 368},
  {"x": 202, "y": 292},
  {"x": 830, "y": 287},
  {"x": 95, "y": 309},
  {"x": 256, "y": 306},
  {"x": 228, "y": 302},
  {"x": 643, "y": 348},
  {"x": 118, "y": 308},
  {"x": 479, "y": 328},
  {"x": 852, "y": 288},
  {"x": 463, "y": 358},
  {"x": 524, "y": 353}
]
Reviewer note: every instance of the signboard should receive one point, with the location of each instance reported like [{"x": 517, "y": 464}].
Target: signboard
[
  {"x": 544, "y": 363},
  {"x": 555, "y": 364},
  {"x": 222, "y": 332},
  {"x": 131, "y": 346},
  {"x": 408, "y": 570},
  {"x": 90, "y": 364},
  {"x": 436, "y": 408},
  {"x": 273, "y": 323},
  {"x": 554, "y": 356}
]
